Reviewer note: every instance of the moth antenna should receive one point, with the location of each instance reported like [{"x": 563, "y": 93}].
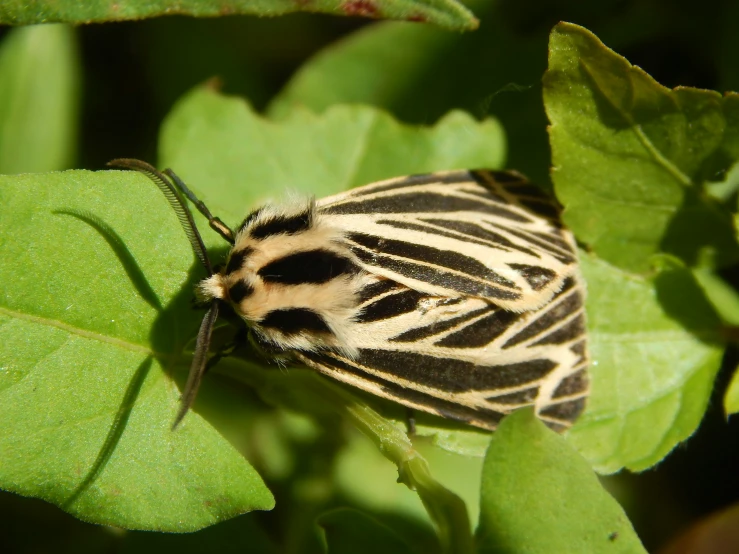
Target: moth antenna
[
  {"x": 199, "y": 362},
  {"x": 171, "y": 186},
  {"x": 175, "y": 200},
  {"x": 215, "y": 223}
]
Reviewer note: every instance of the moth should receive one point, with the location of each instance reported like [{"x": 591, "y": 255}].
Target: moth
[{"x": 456, "y": 293}]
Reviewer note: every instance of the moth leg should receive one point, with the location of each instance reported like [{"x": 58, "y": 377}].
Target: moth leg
[
  {"x": 215, "y": 223},
  {"x": 201, "y": 365},
  {"x": 239, "y": 340},
  {"x": 199, "y": 362},
  {"x": 410, "y": 421},
  {"x": 266, "y": 350}
]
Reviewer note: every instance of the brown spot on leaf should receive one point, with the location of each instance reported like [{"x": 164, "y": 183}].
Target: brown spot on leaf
[
  {"x": 365, "y": 8},
  {"x": 418, "y": 17}
]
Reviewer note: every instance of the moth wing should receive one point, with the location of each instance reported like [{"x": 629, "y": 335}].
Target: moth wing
[
  {"x": 485, "y": 234},
  {"x": 466, "y": 358}
]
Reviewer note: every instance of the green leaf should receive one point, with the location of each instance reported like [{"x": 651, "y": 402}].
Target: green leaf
[
  {"x": 220, "y": 143},
  {"x": 723, "y": 297},
  {"x": 352, "y": 531},
  {"x": 368, "y": 480},
  {"x": 655, "y": 348},
  {"x": 540, "y": 496},
  {"x": 39, "y": 97},
  {"x": 445, "y": 13},
  {"x": 91, "y": 328},
  {"x": 250, "y": 158},
  {"x": 731, "y": 398},
  {"x": 433, "y": 72},
  {"x": 307, "y": 391},
  {"x": 121, "y": 289},
  {"x": 631, "y": 156}
]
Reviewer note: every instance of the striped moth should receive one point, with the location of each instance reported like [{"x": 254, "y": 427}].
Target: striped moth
[{"x": 455, "y": 293}]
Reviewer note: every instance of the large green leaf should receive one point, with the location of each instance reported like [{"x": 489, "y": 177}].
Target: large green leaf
[
  {"x": 494, "y": 71},
  {"x": 630, "y": 156},
  {"x": 630, "y": 160},
  {"x": 446, "y": 13},
  {"x": 222, "y": 147},
  {"x": 432, "y": 73},
  {"x": 106, "y": 284},
  {"x": 540, "y": 496},
  {"x": 655, "y": 342},
  {"x": 113, "y": 300},
  {"x": 93, "y": 317},
  {"x": 39, "y": 97},
  {"x": 655, "y": 345}
]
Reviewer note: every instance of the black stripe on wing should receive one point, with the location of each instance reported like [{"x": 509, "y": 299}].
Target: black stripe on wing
[
  {"x": 412, "y": 181},
  {"x": 436, "y": 276},
  {"x": 558, "y": 416},
  {"x": 525, "y": 193},
  {"x": 482, "y": 332},
  {"x": 543, "y": 208},
  {"x": 438, "y": 327},
  {"x": 483, "y": 176},
  {"x": 392, "y": 305},
  {"x": 474, "y": 230},
  {"x": 566, "y": 333},
  {"x": 467, "y": 235},
  {"x": 451, "y": 375},
  {"x": 444, "y": 408},
  {"x": 557, "y": 247},
  {"x": 378, "y": 288},
  {"x": 565, "y": 303},
  {"x": 443, "y": 258},
  {"x": 580, "y": 348},
  {"x": 563, "y": 411},
  {"x": 424, "y": 202},
  {"x": 577, "y": 383},
  {"x": 518, "y": 398},
  {"x": 536, "y": 276}
]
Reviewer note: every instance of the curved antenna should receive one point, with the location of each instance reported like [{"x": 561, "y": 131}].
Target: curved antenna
[
  {"x": 199, "y": 362},
  {"x": 215, "y": 223},
  {"x": 171, "y": 186},
  {"x": 175, "y": 200}
]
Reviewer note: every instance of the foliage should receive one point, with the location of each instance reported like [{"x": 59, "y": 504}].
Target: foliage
[
  {"x": 446, "y": 13},
  {"x": 97, "y": 328}
]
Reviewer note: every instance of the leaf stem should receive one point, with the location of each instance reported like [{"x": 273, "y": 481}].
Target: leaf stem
[{"x": 306, "y": 391}]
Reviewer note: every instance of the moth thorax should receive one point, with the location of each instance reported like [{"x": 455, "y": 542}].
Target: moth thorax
[{"x": 293, "y": 279}]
